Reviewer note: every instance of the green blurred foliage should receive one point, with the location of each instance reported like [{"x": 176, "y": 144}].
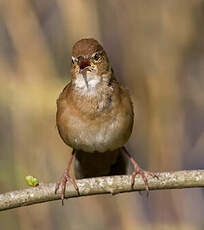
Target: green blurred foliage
[{"x": 157, "y": 51}]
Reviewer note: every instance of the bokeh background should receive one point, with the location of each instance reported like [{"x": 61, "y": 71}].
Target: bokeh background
[{"x": 157, "y": 51}]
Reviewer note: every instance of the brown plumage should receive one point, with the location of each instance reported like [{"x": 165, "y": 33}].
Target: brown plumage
[{"x": 94, "y": 116}]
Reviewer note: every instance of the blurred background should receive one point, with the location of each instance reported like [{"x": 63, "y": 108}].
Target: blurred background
[{"x": 157, "y": 51}]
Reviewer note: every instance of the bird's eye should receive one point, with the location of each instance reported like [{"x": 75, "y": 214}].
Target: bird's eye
[
  {"x": 73, "y": 60},
  {"x": 79, "y": 57},
  {"x": 96, "y": 56}
]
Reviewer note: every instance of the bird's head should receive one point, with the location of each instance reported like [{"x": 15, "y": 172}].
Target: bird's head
[{"x": 90, "y": 64}]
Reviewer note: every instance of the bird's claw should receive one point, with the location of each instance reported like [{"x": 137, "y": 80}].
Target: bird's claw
[
  {"x": 63, "y": 181},
  {"x": 138, "y": 170}
]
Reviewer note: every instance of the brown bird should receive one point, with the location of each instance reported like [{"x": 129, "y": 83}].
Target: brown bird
[{"x": 95, "y": 117}]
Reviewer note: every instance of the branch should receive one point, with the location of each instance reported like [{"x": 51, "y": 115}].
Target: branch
[{"x": 102, "y": 185}]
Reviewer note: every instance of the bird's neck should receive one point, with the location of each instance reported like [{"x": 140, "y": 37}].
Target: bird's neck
[{"x": 92, "y": 97}]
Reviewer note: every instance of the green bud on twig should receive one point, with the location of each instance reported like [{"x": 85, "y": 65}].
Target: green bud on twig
[{"x": 32, "y": 181}]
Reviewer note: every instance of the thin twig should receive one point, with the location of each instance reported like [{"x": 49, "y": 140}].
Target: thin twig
[{"x": 102, "y": 185}]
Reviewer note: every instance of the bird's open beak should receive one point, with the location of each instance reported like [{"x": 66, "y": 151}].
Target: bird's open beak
[{"x": 83, "y": 63}]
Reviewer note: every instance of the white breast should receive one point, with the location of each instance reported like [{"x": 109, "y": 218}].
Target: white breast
[{"x": 92, "y": 80}]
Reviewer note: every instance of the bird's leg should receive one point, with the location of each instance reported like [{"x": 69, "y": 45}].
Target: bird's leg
[
  {"x": 138, "y": 170},
  {"x": 66, "y": 177}
]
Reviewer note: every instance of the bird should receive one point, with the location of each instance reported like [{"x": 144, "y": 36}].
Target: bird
[{"x": 95, "y": 118}]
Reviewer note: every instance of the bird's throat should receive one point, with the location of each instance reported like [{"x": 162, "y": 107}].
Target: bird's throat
[
  {"x": 86, "y": 81},
  {"x": 93, "y": 98}
]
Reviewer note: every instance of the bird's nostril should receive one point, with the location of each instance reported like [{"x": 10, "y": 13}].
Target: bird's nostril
[{"x": 83, "y": 64}]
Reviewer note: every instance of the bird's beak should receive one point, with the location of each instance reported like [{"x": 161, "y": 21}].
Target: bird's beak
[{"x": 83, "y": 63}]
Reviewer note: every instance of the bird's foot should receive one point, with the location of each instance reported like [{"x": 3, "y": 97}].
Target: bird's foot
[
  {"x": 138, "y": 170},
  {"x": 143, "y": 173},
  {"x": 64, "y": 179}
]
